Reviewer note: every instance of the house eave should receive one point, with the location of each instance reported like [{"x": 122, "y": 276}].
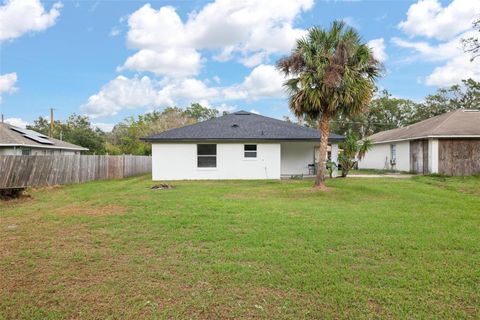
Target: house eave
[
  {"x": 41, "y": 147},
  {"x": 239, "y": 140},
  {"x": 430, "y": 137}
]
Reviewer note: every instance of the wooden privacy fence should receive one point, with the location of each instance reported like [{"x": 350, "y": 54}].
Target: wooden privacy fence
[{"x": 35, "y": 171}]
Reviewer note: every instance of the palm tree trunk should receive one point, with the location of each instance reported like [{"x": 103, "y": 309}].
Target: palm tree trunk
[{"x": 324, "y": 128}]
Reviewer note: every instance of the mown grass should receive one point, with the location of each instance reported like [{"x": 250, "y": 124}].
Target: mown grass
[
  {"x": 375, "y": 171},
  {"x": 368, "y": 248}
]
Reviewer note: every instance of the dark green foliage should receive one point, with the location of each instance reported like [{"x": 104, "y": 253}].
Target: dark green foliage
[
  {"x": 352, "y": 151},
  {"x": 77, "y": 130},
  {"x": 386, "y": 112},
  {"x": 201, "y": 113},
  {"x": 125, "y": 136}
]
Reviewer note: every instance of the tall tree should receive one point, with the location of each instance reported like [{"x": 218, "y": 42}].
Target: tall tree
[
  {"x": 464, "y": 96},
  {"x": 125, "y": 136},
  {"x": 201, "y": 113},
  {"x": 77, "y": 130},
  {"x": 330, "y": 72}
]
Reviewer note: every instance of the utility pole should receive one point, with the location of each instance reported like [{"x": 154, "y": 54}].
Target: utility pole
[
  {"x": 2, "y": 117},
  {"x": 50, "y": 131}
]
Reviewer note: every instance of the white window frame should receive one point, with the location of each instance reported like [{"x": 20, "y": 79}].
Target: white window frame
[
  {"x": 207, "y": 155},
  {"x": 250, "y": 152}
]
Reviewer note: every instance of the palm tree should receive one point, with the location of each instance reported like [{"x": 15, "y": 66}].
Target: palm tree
[
  {"x": 329, "y": 72},
  {"x": 352, "y": 150}
]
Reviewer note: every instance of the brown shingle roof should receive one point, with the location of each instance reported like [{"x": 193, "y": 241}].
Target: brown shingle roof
[
  {"x": 9, "y": 137},
  {"x": 451, "y": 124}
]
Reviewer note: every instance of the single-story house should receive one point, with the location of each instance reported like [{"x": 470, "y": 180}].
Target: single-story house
[
  {"x": 240, "y": 145},
  {"x": 19, "y": 141},
  {"x": 447, "y": 144}
]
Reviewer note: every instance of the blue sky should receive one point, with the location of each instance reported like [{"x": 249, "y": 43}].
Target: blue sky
[{"x": 113, "y": 59}]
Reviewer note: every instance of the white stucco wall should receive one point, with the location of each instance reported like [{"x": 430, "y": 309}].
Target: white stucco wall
[
  {"x": 178, "y": 161},
  {"x": 379, "y": 157},
  {"x": 296, "y": 156}
]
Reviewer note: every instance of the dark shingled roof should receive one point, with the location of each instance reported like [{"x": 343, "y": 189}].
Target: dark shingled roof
[
  {"x": 9, "y": 137},
  {"x": 241, "y": 126},
  {"x": 451, "y": 124}
]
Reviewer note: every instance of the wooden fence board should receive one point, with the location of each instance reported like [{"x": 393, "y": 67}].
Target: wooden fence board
[{"x": 36, "y": 171}]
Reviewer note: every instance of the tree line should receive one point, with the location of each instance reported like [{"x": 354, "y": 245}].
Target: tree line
[
  {"x": 125, "y": 136},
  {"x": 385, "y": 112}
]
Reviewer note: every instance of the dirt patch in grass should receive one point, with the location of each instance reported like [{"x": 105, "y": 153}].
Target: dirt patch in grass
[
  {"x": 77, "y": 210},
  {"x": 375, "y": 307},
  {"x": 10, "y": 202}
]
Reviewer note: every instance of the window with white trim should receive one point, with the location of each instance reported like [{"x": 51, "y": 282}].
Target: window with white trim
[
  {"x": 250, "y": 150},
  {"x": 206, "y": 155}
]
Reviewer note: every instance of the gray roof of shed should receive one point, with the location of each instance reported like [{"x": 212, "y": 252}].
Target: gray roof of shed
[
  {"x": 458, "y": 123},
  {"x": 9, "y": 137},
  {"x": 241, "y": 126}
]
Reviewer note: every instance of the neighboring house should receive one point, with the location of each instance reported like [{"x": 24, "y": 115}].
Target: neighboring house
[
  {"x": 19, "y": 141},
  {"x": 447, "y": 144},
  {"x": 241, "y": 145}
]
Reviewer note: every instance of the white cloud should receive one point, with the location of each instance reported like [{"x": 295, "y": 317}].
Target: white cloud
[
  {"x": 456, "y": 64},
  {"x": 248, "y": 31},
  {"x": 454, "y": 71},
  {"x": 7, "y": 83},
  {"x": 123, "y": 93},
  {"x": 188, "y": 90},
  {"x": 21, "y": 16},
  {"x": 105, "y": 127},
  {"x": 225, "y": 107},
  {"x": 263, "y": 82},
  {"x": 447, "y": 25},
  {"x": 254, "y": 111},
  {"x": 378, "y": 48},
  {"x": 430, "y": 19},
  {"x": 17, "y": 122},
  {"x": 170, "y": 62},
  {"x": 426, "y": 51}
]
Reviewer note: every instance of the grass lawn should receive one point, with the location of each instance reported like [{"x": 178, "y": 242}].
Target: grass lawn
[
  {"x": 368, "y": 248},
  {"x": 375, "y": 171}
]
